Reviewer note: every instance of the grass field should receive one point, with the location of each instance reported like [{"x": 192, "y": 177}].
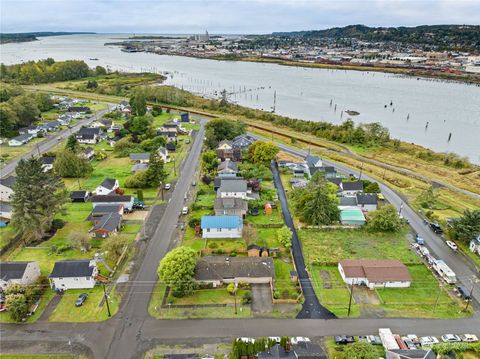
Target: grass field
[
  {"x": 89, "y": 311},
  {"x": 330, "y": 246},
  {"x": 336, "y": 351},
  {"x": 283, "y": 285}
]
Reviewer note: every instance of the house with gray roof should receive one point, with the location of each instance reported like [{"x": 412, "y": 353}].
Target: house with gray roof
[
  {"x": 411, "y": 354},
  {"x": 20, "y": 140},
  {"x": 106, "y": 225},
  {"x": 351, "y": 188},
  {"x": 23, "y": 273},
  {"x": 367, "y": 201},
  {"x": 230, "y": 207},
  {"x": 227, "y": 168},
  {"x": 220, "y": 269},
  {"x": 107, "y": 186},
  {"x": 233, "y": 188},
  {"x": 140, "y": 157},
  {"x": 6, "y": 188},
  {"x": 137, "y": 167},
  {"x": 347, "y": 202},
  {"x": 313, "y": 161},
  {"x": 73, "y": 274}
]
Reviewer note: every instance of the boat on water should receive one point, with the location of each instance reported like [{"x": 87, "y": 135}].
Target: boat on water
[{"x": 93, "y": 59}]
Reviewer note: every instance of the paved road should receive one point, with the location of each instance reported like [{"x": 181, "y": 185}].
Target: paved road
[
  {"x": 465, "y": 270},
  {"x": 311, "y": 309},
  {"x": 51, "y": 141}
]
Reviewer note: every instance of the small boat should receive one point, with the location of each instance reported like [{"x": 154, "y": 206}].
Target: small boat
[{"x": 93, "y": 59}]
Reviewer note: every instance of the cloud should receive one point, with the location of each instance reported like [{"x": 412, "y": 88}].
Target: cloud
[{"x": 227, "y": 16}]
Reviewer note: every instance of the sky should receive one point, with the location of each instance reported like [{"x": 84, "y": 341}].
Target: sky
[{"x": 227, "y": 16}]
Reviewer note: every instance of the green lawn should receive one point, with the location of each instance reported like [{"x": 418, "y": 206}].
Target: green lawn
[
  {"x": 219, "y": 295},
  {"x": 208, "y": 296},
  {"x": 44, "y": 300},
  {"x": 275, "y": 218},
  {"x": 267, "y": 237},
  {"x": 330, "y": 246},
  {"x": 337, "y": 351},
  {"x": 418, "y": 301},
  {"x": 159, "y": 120},
  {"x": 89, "y": 311},
  {"x": 206, "y": 200},
  {"x": 335, "y": 298},
  {"x": 283, "y": 285}
]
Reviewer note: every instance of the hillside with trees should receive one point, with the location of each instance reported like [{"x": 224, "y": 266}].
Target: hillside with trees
[{"x": 439, "y": 37}]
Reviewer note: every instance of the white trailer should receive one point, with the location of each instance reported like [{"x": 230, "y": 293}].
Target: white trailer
[
  {"x": 444, "y": 271},
  {"x": 388, "y": 339}
]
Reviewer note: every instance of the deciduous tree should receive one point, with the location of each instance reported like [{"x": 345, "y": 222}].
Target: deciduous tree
[
  {"x": 261, "y": 152},
  {"x": 177, "y": 270},
  {"x": 360, "y": 350},
  {"x": 467, "y": 227},
  {"x": 284, "y": 236},
  {"x": 385, "y": 219}
]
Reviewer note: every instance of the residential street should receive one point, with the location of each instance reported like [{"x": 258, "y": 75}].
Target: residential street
[{"x": 52, "y": 141}]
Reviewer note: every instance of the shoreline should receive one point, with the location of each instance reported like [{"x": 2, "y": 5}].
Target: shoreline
[{"x": 431, "y": 74}]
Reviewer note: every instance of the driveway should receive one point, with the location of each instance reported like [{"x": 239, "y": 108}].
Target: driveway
[{"x": 261, "y": 299}]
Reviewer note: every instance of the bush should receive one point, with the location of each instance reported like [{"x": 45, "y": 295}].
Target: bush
[
  {"x": 17, "y": 306},
  {"x": 137, "y": 180},
  {"x": 212, "y": 245},
  {"x": 193, "y": 222},
  {"x": 58, "y": 223},
  {"x": 247, "y": 298}
]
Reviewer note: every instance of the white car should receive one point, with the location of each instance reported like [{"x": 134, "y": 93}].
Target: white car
[
  {"x": 450, "y": 338},
  {"x": 452, "y": 245},
  {"x": 185, "y": 210},
  {"x": 469, "y": 338},
  {"x": 276, "y": 339},
  {"x": 296, "y": 340},
  {"x": 167, "y": 186},
  {"x": 428, "y": 341},
  {"x": 246, "y": 340}
]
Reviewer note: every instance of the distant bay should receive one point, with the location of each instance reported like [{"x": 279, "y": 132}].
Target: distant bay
[{"x": 422, "y": 111}]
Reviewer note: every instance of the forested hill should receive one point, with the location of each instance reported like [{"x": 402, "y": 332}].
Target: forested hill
[
  {"x": 32, "y": 36},
  {"x": 441, "y": 37}
]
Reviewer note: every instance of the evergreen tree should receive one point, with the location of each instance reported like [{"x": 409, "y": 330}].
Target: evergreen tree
[
  {"x": 138, "y": 103},
  {"x": 156, "y": 171},
  {"x": 72, "y": 143},
  {"x": 37, "y": 197}
]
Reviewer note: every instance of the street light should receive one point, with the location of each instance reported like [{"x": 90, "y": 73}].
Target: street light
[
  {"x": 235, "y": 293},
  {"x": 105, "y": 297}
]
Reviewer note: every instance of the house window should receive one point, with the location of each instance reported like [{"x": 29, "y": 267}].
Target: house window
[
  {"x": 219, "y": 229},
  {"x": 208, "y": 229}
]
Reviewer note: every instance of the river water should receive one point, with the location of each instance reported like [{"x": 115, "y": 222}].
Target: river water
[{"x": 423, "y": 111}]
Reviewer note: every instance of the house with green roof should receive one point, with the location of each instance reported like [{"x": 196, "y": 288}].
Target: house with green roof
[{"x": 352, "y": 217}]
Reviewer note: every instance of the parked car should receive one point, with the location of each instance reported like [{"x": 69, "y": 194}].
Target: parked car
[
  {"x": 414, "y": 339},
  {"x": 344, "y": 339},
  {"x": 187, "y": 141},
  {"x": 463, "y": 293},
  {"x": 296, "y": 340},
  {"x": 419, "y": 240},
  {"x": 469, "y": 338},
  {"x": 185, "y": 210},
  {"x": 374, "y": 339},
  {"x": 452, "y": 245},
  {"x": 194, "y": 183},
  {"x": 450, "y": 338},
  {"x": 81, "y": 299},
  {"x": 167, "y": 186},
  {"x": 428, "y": 341},
  {"x": 435, "y": 227},
  {"x": 409, "y": 343}
]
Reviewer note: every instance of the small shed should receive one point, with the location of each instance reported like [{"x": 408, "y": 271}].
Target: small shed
[
  {"x": 268, "y": 208},
  {"x": 184, "y": 117},
  {"x": 264, "y": 252}
]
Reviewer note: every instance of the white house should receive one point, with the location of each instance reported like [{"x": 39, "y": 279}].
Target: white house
[
  {"x": 75, "y": 274},
  {"x": 140, "y": 157},
  {"x": 20, "y": 140},
  {"x": 6, "y": 188},
  {"x": 221, "y": 227},
  {"x": 475, "y": 245},
  {"x": 163, "y": 153},
  {"x": 47, "y": 163},
  {"x": 227, "y": 168},
  {"x": 375, "y": 273},
  {"x": 233, "y": 188},
  {"x": 106, "y": 187},
  {"x": 313, "y": 161},
  {"x": 351, "y": 188},
  {"x": 88, "y": 135},
  {"x": 23, "y": 273}
]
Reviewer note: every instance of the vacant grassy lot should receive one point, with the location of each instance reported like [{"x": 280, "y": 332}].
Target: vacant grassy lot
[
  {"x": 275, "y": 218},
  {"x": 89, "y": 311},
  {"x": 330, "y": 246},
  {"x": 267, "y": 237},
  {"x": 336, "y": 351},
  {"x": 283, "y": 286},
  {"x": 6, "y": 235}
]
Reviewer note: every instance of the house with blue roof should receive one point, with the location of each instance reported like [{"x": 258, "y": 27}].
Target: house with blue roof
[{"x": 221, "y": 227}]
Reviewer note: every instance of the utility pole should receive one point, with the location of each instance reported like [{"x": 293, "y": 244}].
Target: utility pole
[
  {"x": 384, "y": 171},
  {"x": 471, "y": 293},
  {"x": 105, "y": 297},
  {"x": 361, "y": 171},
  {"x": 350, "y": 300},
  {"x": 400, "y": 209},
  {"x": 174, "y": 169},
  {"x": 236, "y": 285}
]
